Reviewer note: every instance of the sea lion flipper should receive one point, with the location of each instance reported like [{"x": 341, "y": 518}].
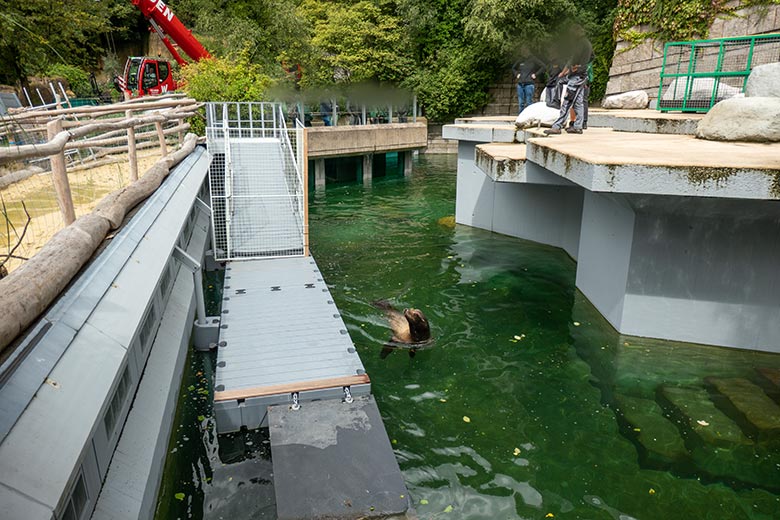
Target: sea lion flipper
[{"x": 386, "y": 351}]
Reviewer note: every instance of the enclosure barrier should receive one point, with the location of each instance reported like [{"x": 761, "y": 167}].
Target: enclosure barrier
[
  {"x": 258, "y": 190},
  {"x": 697, "y": 74},
  {"x": 70, "y": 149}
]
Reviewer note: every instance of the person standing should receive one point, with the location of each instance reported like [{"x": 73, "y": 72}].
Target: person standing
[
  {"x": 524, "y": 72},
  {"x": 576, "y": 72}
]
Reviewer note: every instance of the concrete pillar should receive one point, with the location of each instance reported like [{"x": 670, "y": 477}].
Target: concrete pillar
[
  {"x": 408, "y": 156},
  {"x": 319, "y": 173},
  {"x": 368, "y": 168}
]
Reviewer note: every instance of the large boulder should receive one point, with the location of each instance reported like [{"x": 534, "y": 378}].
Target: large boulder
[
  {"x": 634, "y": 100},
  {"x": 742, "y": 119},
  {"x": 764, "y": 81}
]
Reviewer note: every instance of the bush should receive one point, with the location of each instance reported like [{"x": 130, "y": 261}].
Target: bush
[
  {"x": 223, "y": 79},
  {"x": 77, "y": 79}
]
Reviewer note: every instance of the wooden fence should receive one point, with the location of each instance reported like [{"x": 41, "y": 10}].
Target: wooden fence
[{"x": 73, "y": 140}]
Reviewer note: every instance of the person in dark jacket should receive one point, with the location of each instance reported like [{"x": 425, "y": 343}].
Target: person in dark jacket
[
  {"x": 524, "y": 71},
  {"x": 576, "y": 73}
]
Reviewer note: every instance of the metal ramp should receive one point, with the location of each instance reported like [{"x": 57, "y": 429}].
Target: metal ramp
[
  {"x": 258, "y": 198},
  {"x": 282, "y": 340},
  {"x": 285, "y": 358}
]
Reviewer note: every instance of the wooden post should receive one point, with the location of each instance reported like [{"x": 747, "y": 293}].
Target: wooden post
[
  {"x": 161, "y": 138},
  {"x": 305, "y": 192},
  {"x": 59, "y": 175},
  {"x": 132, "y": 157}
]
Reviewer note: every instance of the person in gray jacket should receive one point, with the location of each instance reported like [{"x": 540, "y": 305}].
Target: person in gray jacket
[
  {"x": 576, "y": 72},
  {"x": 524, "y": 71}
]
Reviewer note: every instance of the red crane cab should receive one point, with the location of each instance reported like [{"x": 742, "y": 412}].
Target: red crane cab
[{"x": 145, "y": 76}]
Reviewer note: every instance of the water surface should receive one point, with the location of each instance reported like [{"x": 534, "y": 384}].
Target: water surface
[{"x": 528, "y": 405}]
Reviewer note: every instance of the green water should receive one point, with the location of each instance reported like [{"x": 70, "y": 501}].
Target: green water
[{"x": 528, "y": 405}]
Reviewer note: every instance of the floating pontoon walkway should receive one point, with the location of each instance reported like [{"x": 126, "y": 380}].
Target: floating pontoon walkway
[{"x": 282, "y": 338}]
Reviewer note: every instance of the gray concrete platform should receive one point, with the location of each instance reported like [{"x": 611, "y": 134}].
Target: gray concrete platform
[
  {"x": 281, "y": 334},
  {"x": 644, "y": 121},
  {"x": 333, "y": 460},
  {"x": 602, "y": 160}
]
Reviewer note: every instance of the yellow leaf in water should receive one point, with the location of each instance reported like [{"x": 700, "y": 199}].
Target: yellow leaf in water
[
  {"x": 448, "y": 509},
  {"x": 637, "y": 429},
  {"x": 549, "y": 515},
  {"x": 466, "y": 418},
  {"x": 516, "y": 452},
  {"x": 442, "y": 400},
  {"x": 424, "y": 502},
  {"x": 652, "y": 491}
]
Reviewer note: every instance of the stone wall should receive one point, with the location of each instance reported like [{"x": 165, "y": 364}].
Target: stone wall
[{"x": 639, "y": 68}]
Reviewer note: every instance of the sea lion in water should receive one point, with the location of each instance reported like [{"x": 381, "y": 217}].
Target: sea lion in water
[{"x": 409, "y": 327}]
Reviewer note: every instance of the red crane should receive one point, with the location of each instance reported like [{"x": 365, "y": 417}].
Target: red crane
[{"x": 154, "y": 73}]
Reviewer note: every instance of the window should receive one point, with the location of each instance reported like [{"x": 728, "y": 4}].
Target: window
[
  {"x": 117, "y": 402},
  {"x": 150, "y": 74},
  {"x": 164, "y": 70},
  {"x": 148, "y": 326},
  {"x": 78, "y": 501}
]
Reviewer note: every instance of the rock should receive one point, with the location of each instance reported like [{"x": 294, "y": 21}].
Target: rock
[
  {"x": 698, "y": 89},
  {"x": 754, "y": 119},
  {"x": 764, "y": 81},
  {"x": 634, "y": 100}
]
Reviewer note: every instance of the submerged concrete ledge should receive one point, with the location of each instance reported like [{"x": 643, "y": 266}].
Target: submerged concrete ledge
[{"x": 602, "y": 160}]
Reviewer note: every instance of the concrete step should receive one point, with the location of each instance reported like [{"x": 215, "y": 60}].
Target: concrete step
[
  {"x": 652, "y": 430},
  {"x": 749, "y": 401},
  {"x": 698, "y": 414}
]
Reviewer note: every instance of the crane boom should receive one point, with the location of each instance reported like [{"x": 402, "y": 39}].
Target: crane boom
[{"x": 162, "y": 18}]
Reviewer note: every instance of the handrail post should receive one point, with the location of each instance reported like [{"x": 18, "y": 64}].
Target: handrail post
[
  {"x": 161, "y": 137},
  {"x": 59, "y": 175}
]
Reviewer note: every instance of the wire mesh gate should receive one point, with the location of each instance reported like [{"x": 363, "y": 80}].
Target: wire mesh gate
[
  {"x": 257, "y": 187},
  {"x": 697, "y": 74}
]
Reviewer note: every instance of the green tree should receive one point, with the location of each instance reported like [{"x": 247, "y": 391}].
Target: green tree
[
  {"x": 353, "y": 43},
  {"x": 41, "y": 33}
]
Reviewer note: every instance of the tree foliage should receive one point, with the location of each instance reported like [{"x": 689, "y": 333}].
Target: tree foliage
[
  {"x": 447, "y": 51},
  {"x": 40, "y": 33}
]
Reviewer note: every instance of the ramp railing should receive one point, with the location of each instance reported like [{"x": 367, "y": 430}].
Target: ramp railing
[{"x": 256, "y": 180}]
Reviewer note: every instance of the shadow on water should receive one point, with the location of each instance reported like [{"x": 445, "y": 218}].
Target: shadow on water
[{"x": 528, "y": 404}]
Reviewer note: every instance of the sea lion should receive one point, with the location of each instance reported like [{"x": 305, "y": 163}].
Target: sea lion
[{"x": 409, "y": 327}]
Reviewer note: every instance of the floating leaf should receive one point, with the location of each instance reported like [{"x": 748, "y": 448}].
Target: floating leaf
[
  {"x": 201, "y": 418},
  {"x": 576, "y": 323},
  {"x": 448, "y": 509},
  {"x": 637, "y": 429},
  {"x": 394, "y": 441},
  {"x": 549, "y": 515},
  {"x": 466, "y": 418},
  {"x": 442, "y": 400},
  {"x": 516, "y": 452},
  {"x": 652, "y": 491},
  {"x": 191, "y": 388},
  {"x": 179, "y": 496},
  {"x": 518, "y": 337},
  {"x": 703, "y": 423},
  {"x": 424, "y": 502}
]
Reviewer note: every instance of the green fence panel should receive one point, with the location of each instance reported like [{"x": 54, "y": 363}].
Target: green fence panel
[{"x": 697, "y": 74}]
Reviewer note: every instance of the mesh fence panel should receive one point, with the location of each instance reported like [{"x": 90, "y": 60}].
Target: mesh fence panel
[
  {"x": 698, "y": 74},
  {"x": 256, "y": 184}
]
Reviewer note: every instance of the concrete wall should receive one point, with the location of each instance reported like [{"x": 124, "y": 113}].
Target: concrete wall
[
  {"x": 639, "y": 68},
  {"x": 340, "y": 141},
  {"x": 705, "y": 271},
  {"x": 547, "y": 211}
]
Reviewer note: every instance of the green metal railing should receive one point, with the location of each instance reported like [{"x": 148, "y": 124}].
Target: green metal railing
[{"x": 697, "y": 74}]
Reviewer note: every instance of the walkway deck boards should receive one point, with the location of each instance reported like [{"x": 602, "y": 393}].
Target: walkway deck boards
[{"x": 281, "y": 333}]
